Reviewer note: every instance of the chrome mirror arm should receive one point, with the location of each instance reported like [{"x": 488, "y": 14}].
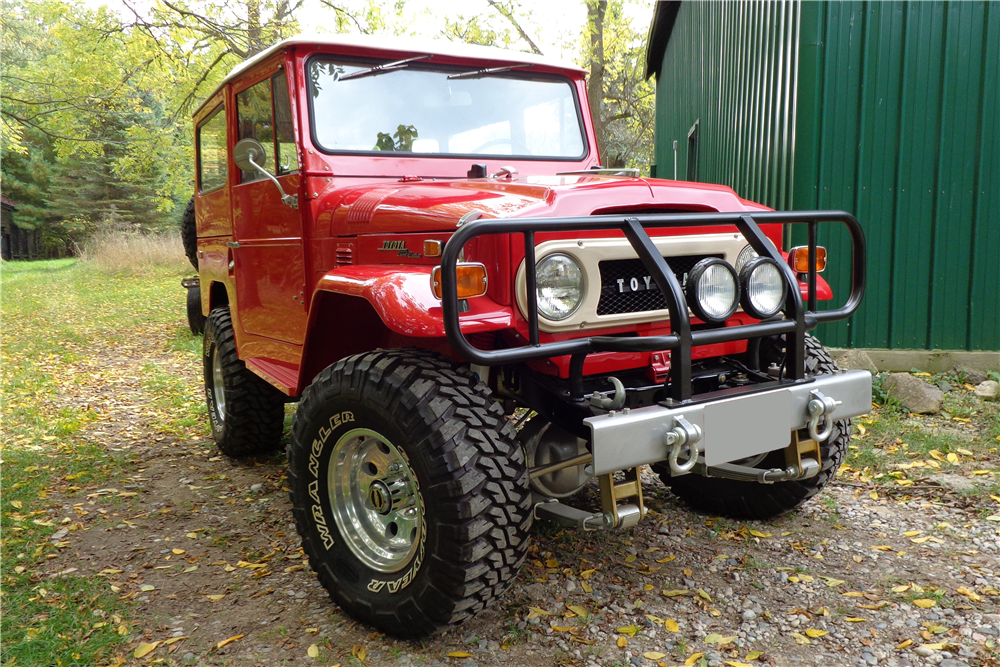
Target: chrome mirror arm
[{"x": 291, "y": 200}]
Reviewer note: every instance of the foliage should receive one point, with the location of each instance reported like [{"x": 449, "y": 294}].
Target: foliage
[
  {"x": 621, "y": 99},
  {"x": 95, "y": 104}
]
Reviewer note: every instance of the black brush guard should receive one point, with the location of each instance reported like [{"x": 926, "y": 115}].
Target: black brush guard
[{"x": 796, "y": 322}]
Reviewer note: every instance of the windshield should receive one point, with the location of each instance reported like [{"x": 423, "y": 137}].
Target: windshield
[{"x": 422, "y": 111}]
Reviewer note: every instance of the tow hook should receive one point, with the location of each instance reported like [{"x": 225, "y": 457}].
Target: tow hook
[
  {"x": 683, "y": 435},
  {"x": 603, "y": 403},
  {"x": 820, "y": 410}
]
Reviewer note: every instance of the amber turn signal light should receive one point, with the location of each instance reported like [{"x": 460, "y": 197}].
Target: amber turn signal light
[
  {"x": 432, "y": 248},
  {"x": 798, "y": 258},
  {"x": 471, "y": 280}
]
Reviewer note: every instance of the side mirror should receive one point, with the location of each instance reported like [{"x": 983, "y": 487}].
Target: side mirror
[{"x": 248, "y": 155}]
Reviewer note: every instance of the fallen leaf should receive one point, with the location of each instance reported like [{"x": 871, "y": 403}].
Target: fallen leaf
[
  {"x": 753, "y": 655},
  {"x": 703, "y": 595},
  {"x": 940, "y": 646},
  {"x": 535, "y": 612},
  {"x": 853, "y": 594},
  {"x": 831, "y": 582},
  {"x": 671, "y": 625},
  {"x": 667, "y": 559},
  {"x": 953, "y": 458},
  {"x": 622, "y": 642},
  {"x": 177, "y": 552},
  {"x": 174, "y": 640},
  {"x": 552, "y": 562},
  {"x": 912, "y": 533},
  {"x": 228, "y": 641},
  {"x": 586, "y": 574},
  {"x": 312, "y": 651},
  {"x": 693, "y": 658},
  {"x": 901, "y": 589},
  {"x": 144, "y": 649},
  {"x": 630, "y": 630},
  {"x": 757, "y": 533},
  {"x": 905, "y": 643},
  {"x": 925, "y": 603},
  {"x": 873, "y": 495},
  {"x": 459, "y": 654},
  {"x": 17, "y": 504},
  {"x": 558, "y": 628},
  {"x": 674, "y": 593},
  {"x": 145, "y": 588},
  {"x": 578, "y": 610},
  {"x": 654, "y": 655},
  {"x": 969, "y": 593},
  {"x": 855, "y": 619},
  {"x": 816, "y": 633},
  {"x": 716, "y": 638},
  {"x": 193, "y": 536},
  {"x": 733, "y": 663},
  {"x": 800, "y": 638},
  {"x": 587, "y": 588},
  {"x": 216, "y": 598}
]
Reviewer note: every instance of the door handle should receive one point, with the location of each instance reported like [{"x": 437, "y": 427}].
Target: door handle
[{"x": 233, "y": 244}]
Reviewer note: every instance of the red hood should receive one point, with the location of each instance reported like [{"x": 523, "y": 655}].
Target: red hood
[{"x": 395, "y": 207}]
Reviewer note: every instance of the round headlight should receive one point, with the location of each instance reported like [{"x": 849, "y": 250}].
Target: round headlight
[
  {"x": 763, "y": 288},
  {"x": 712, "y": 290},
  {"x": 559, "y": 286},
  {"x": 745, "y": 256}
]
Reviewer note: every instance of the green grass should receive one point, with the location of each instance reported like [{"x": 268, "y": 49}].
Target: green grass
[
  {"x": 888, "y": 442},
  {"x": 67, "y": 327}
]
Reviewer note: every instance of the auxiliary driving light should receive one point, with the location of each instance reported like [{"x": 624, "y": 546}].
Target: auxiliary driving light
[
  {"x": 712, "y": 290},
  {"x": 559, "y": 286},
  {"x": 763, "y": 288}
]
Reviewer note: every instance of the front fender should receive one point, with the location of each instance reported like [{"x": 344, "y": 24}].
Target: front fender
[{"x": 403, "y": 299}]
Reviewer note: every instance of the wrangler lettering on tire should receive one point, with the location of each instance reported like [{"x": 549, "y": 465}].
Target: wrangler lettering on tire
[{"x": 406, "y": 480}]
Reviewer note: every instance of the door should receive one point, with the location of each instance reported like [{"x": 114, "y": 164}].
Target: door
[{"x": 269, "y": 257}]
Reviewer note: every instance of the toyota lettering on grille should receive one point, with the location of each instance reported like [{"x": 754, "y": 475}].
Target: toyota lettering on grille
[{"x": 641, "y": 284}]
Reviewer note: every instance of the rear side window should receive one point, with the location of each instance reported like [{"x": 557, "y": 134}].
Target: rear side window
[
  {"x": 264, "y": 114},
  {"x": 212, "y": 151}
]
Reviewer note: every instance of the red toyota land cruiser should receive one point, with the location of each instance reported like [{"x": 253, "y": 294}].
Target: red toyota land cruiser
[{"x": 416, "y": 241}]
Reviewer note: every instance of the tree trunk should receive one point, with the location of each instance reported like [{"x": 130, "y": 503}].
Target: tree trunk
[
  {"x": 253, "y": 27},
  {"x": 596, "y": 9}
]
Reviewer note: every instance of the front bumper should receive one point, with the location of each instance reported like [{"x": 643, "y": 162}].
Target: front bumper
[{"x": 733, "y": 427}]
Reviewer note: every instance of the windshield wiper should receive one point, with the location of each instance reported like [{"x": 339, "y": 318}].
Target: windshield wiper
[
  {"x": 477, "y": 73},
  {"x": 381, "y": 69}
]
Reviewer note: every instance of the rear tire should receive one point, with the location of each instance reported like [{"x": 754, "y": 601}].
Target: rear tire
[
  {"x": 409, "y": 490},
  {"x": 753, "y": 500},
  {"x": 246, "y": 413},
  {"x": 189, "y": 234},
  {"x": 196, "y": 320}
]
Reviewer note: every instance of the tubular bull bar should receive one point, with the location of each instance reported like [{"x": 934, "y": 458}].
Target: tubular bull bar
[{"x": 708, "y": 430}]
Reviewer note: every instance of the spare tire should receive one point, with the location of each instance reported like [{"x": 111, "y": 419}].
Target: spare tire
[{"x": 189, "y": 234}]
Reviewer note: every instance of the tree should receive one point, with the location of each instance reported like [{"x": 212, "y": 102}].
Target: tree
[{"x": 621, "y": 100}]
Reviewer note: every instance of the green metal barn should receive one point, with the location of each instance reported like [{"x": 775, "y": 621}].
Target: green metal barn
[{"x": 888, "y": 110}]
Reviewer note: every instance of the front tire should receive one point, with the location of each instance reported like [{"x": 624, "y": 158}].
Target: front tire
[
  {"x": 753, "y": 500},
  {"x": 246, "y": 413},
  {"x": 409, "y": 490}
]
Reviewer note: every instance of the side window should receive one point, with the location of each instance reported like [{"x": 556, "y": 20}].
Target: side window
[
  {"x": 288, "y": 160},
  {"x": 212, "y": 151},
  {"x": 253, "y": 110}
]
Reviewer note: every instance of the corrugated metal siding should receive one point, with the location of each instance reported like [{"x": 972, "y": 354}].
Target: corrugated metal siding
[
  {"x": 888, "y": 110},
  {"x": 904, "y": 115},
  {"x": 731, "y": 68}
]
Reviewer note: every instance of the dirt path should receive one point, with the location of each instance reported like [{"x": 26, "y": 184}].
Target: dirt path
[{"x": 204, "y": 550}]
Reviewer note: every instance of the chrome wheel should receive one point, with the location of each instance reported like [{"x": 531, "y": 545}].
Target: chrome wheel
[
  {"x": 375, "y": 499},
  {"x": 218, "y": 387}
]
